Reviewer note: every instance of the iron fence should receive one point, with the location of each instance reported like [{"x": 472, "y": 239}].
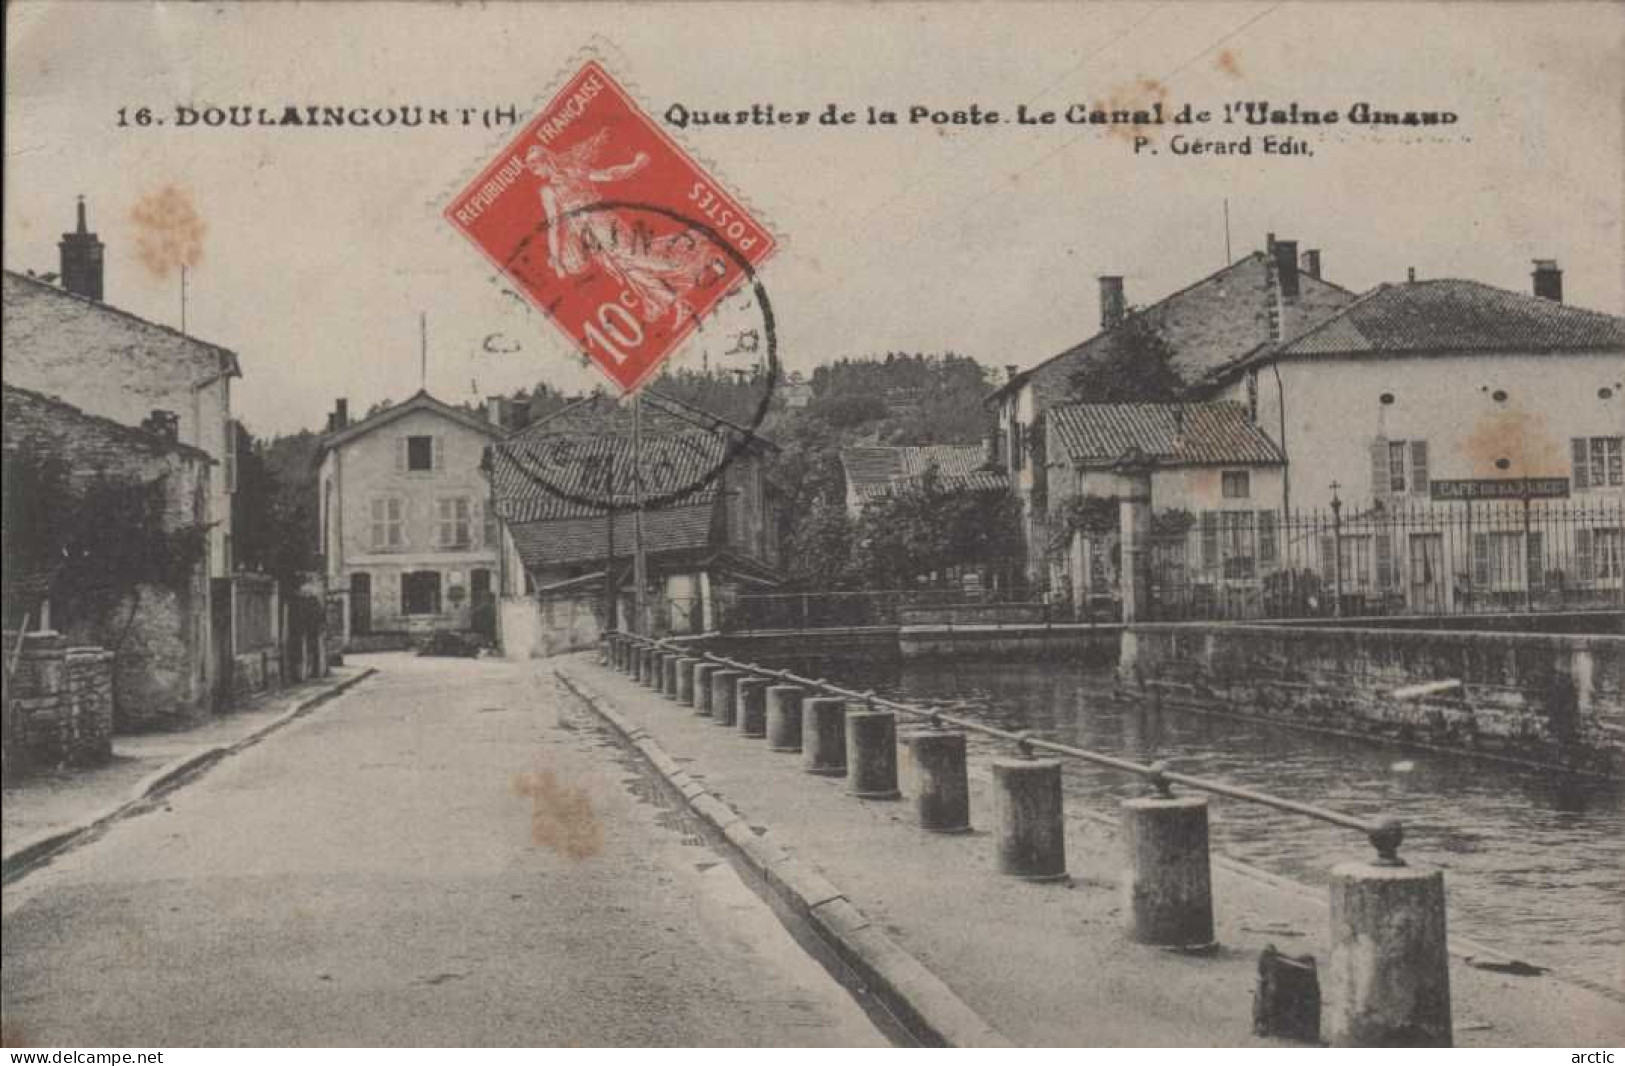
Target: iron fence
[{"x": 1469, "y": 559}]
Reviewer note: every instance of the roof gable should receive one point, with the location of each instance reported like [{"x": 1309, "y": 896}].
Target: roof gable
[
  {"x": 422, "y": 401},
  {"x": 1175, "y": 434}
]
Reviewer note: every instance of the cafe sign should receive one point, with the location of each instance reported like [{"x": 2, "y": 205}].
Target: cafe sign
[{"x": 1500, "y": 488}]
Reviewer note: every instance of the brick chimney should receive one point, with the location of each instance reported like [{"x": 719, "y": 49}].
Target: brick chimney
[
  {"x": 1010, "y": 371},
  {"x": 82, "y": 260},
  {"x": 495, "y": 410},
  {"x": 1286, "y": 266},
  {"x": 165, "y": 424},
  {"x": 340, "y": 417},
  {"x": 1548, "y": 280},
  {"x": 1309, "y": 262},
  {"x": 1112, "y": 304}
]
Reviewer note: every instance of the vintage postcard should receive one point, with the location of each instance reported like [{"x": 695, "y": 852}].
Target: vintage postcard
[{"x": 814, "y": 524}]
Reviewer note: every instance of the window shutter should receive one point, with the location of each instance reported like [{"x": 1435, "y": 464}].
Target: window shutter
[
  {"x": 1536, "y": 562},
  {"x": 1379, "y": 468},
  {"x": 1210, "y": 540},
  {"x": 1582, "y": 554},
  {"x": 1419, "y": 467},
  {"x": 476, "y": 525},
  {"x": 1581, "y": 464},
  {"x": 1481, "y": 559},
  {"x": 439, "y": 453},
  {"x": 400, "y": 455},
  {"x": 1385, "y": 561}
]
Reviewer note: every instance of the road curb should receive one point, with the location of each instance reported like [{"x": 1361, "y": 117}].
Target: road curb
[
  {"x": 33, "y": 852},
  {"x": 931, "y": 1011}
]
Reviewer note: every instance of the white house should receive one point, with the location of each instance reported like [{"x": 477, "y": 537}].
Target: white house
[{"x": 407, "y": 534}]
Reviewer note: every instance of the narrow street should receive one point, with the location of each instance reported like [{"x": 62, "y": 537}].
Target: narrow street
[{"x": 454, "y": 853}]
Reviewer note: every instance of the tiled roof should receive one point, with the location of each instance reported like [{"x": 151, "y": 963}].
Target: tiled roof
[
  {"x": 1193, "y": 434},
  {"x": 586, "y": 451},
  {"x": 875, "y": 471},
  {"x": 561, "y": 542},
  {"x": 1449, "y": 315},
  {"x": 17, "y": 399},
  {"x": 1213, "y": 322}
]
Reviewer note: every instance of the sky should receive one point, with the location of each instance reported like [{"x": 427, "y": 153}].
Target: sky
[{"x": 316, "y": 250}]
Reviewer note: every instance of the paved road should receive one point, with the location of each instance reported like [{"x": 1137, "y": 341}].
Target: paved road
[{"x": 453, "y": 853}]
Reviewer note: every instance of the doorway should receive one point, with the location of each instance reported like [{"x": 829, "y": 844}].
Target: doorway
[{"x": 360, "y": 603}]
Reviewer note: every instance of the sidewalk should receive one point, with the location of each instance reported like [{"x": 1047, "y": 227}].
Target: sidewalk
[
  {"x": 1050, "y": 964},
  {"x": 44, "y": 812}
]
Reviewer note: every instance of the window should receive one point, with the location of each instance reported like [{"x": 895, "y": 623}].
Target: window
[
  {"x": 1599, "y": 462},
  {"x": 1407, "y": 466},
  {"x": 388, "y": 523},
  {"x": 1498, "y": 560},
  {"x": 420, "y": 592},
  {"x": 1268, "y": 553},
  {"x": 452, "y": 522},
  {"x": 420, "y": 453},
  {"x": 1237, "y": 538},
  {"x": 1237, "y": 484},
  {"x": 1599, "y": 554}
]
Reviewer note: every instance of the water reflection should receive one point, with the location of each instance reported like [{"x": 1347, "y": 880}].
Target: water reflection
[{"x": 1534, "y": 859}]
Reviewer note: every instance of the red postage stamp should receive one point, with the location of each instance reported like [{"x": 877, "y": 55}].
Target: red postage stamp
[{"x": 609, "y": 228}]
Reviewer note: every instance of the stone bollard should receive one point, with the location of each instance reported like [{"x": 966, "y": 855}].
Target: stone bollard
[
  {"x": 1387, "y": 982},
  {"x": 606, "y": 649},
  {"x": 617, "y": 651},
  {"x": 685, "y": 679},
  {"x": 823, "y": 736},
  {"x": 702, "y": 687},
  {"x": 628, "y": 653},
  {"x": 937, "y": 779},
  {"x": 651, "y": 668},
  {"x": 784, "y": 718},
  {"x": 1167, "y": 892},
  {"x": 662, "y": 664},
  {"x": 1028, "y": 827},
  {"x": 752, "y": 704},
  {"x": 724, "y": 707},
  {"x": 871, "y": 754},
  {"x": 634, "y": 665},
  {"x": 670, "y": 685}
]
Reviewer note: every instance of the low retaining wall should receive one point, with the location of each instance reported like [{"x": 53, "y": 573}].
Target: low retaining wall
[
  {"x": 1016, "y": 641},
  {"x": 58, "y": 705},
  {"x": 1552, "y": 699}
]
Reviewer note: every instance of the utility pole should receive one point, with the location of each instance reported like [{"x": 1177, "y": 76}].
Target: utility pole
[
  {"x": 423, "y": 351},
  {"x": 611, "y": 604},
  {"x": 1227, "y": 259},
  {"x": 640, "y": 574}
]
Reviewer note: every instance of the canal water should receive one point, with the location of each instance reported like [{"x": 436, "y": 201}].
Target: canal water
[{"x": 1534, "y": 861}]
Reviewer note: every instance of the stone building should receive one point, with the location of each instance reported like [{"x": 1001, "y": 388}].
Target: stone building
[
  {"x": 1206, "y": 460},
  {"x": 66, "y": 342},
  {"x": 408, "y": 541},
  {"x": 1262, "y": 299},
  {"x": 703, "y": 548},
  {"x": 161, "y": 636}
]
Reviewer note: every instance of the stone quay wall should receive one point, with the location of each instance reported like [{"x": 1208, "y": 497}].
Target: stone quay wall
[{"x": 1551, "y": 699}]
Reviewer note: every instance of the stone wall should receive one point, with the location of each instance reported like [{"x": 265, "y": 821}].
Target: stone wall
[
  {"x": 58, "y": 704},
  {"x": 1551, "y": 699},
  {"x": 535, "y": 629}
]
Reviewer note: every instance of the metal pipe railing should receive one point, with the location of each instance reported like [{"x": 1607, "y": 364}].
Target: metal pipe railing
[{"x": 1385, "y": 835}]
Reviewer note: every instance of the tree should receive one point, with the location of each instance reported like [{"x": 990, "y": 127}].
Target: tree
[
  {"x": 274, "y": 510},
  {"x": 819, "y": 552},
  {"x": 1135, "y": 365},
  {"x": 926, "y": 531},
  {"x": 97, "y": 540}
]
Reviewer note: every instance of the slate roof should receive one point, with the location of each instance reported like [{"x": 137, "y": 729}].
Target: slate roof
[
  {"x": 1189, "y": 434},
  {"x": 1453, "y": 315},
  {"x": 876, "y": 471},
  {"x": 1214, "y": 322}
]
